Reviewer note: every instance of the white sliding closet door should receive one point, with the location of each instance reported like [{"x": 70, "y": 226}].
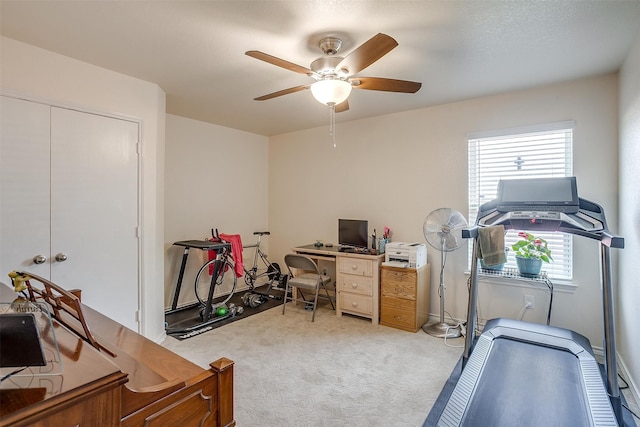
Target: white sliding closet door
[
  {"x": 94, "y": 210},
  {"x": 24, "y": 187},
  {"x": 70, "y": 193}
]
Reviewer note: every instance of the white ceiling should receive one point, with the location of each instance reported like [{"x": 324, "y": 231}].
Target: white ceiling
[{"x": 194, "y": 50}]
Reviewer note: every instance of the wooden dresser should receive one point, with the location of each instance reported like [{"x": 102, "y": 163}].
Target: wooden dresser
[
  {"x": 112, "y": 376},
  {"x": 358, "y": 285},
  {"x": 404, "y": 301}
]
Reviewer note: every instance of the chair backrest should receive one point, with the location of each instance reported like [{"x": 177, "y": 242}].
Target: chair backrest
[{"x": 300, "y": 262}]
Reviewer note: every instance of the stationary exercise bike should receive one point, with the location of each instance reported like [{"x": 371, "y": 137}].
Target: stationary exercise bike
[{"x": 261, "y": 272}]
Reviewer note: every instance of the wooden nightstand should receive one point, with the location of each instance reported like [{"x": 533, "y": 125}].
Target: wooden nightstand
[{"x": 404, "y": 300}]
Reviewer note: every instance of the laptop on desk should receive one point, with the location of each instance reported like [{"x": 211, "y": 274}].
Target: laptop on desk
[
  {"x": 20, "y": 341},
  {"x": 538, "y": 195}
]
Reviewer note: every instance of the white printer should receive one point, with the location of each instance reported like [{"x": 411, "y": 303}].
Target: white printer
[{"x": 407, "y": 255}]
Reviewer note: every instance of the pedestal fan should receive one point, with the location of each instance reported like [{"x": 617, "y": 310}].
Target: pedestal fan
[{"x": 443, "y": 230}]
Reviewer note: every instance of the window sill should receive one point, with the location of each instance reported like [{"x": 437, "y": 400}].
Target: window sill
[{"x": 510, "y": 277}]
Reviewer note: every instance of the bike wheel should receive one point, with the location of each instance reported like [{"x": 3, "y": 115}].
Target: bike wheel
[{"x": 222, "y": 272}]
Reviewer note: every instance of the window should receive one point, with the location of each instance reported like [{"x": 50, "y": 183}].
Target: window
[{"x": 535, "y": 152}]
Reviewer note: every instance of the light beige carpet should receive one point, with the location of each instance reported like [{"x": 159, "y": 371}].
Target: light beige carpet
[{"x": 332, "y": 372}]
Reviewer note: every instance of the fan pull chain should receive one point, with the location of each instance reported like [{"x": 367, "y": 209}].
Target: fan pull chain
[{"x": 332, "y": 123}]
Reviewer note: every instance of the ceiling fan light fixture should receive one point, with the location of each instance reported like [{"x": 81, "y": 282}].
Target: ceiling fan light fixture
[{"x": 331, "y": 91}]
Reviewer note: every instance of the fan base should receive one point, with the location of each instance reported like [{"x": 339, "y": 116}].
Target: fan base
[{"x": 442, "y": 330}]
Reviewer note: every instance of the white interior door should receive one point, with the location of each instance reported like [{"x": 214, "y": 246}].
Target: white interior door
[
  {"x": 94, "y": 211},
  {"x": 24, "y": 187}
]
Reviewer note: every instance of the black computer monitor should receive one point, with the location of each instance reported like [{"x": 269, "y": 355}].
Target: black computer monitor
[{"x": 353, "y": 233}]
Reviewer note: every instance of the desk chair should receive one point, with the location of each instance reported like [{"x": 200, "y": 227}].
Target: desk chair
[{"x": 307, "y": 278}]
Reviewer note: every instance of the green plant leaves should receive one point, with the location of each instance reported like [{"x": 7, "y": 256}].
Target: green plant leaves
[{"x": 532, "y": 247}]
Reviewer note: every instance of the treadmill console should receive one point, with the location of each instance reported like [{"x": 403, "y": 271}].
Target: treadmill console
[{"x": 548, "y": 204}]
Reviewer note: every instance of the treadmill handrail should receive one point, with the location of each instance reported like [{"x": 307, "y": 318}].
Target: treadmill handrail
[{"x": 611, "y": 240}]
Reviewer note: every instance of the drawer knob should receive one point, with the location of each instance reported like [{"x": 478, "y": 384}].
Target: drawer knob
[
  {"x": 354, "y": 304},
  {"x": 354, "y": 285},
  {"x": 354, "y": 267}
]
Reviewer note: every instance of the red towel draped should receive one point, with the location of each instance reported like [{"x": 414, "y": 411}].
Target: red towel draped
[{"x": 236, "y": 251}]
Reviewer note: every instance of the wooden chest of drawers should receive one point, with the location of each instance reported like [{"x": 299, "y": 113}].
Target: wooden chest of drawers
[
  {"x": 404, "y": 300},
  {"x": 358, "y": 285}
]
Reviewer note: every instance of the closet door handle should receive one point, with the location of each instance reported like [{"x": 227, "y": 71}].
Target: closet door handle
[
  {"x": 39, "y": 259},
  {"x": 61, "y": 257}
]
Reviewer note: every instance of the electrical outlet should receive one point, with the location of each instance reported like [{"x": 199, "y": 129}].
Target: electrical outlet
[
  {"x": 529, "y": 301},
  {"x": 324, "y": 271}
]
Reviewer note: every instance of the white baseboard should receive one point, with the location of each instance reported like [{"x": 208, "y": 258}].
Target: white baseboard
[
  {"x": 161, "y": 338},
  {"x": 633, "y": 386}
]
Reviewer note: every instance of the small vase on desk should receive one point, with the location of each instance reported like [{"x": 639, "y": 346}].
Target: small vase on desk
[
  {"x": 529, "y": 266},
  {"x": 382, "y": 243}
]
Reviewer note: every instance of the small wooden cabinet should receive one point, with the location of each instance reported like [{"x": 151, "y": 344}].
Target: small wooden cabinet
[
  {"x": 404, "y": 299},
  {"x": 358, "y": 285}
]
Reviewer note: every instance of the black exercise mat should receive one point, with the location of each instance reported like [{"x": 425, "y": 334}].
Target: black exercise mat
[{"x": 190, "y": 317}]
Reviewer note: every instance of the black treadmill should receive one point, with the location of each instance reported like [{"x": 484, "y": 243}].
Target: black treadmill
[{"x": 522, "y": 373}]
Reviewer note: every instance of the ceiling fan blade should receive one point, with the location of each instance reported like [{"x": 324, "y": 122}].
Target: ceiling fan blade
[
  {"x": 279, "y": 62},
  {"x": 367, "y": 53},
  {"x": 389, "y": 85},
  {"x": 281, "y": 92},
  {"x": 343, "y": 106}
]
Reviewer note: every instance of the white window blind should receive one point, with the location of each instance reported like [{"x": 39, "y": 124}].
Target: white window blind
[{"x": 536, "y": 152}]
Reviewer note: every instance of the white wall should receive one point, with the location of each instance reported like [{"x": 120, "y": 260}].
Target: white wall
[
  {"x": 628, "y": 298},
  {"x": 395, "y": 169},
  {"x": 38, "y": 74},
  {"x": 216, "y": 177}
]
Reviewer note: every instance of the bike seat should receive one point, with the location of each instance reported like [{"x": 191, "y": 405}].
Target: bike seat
[{"x": 261, "y": 233}]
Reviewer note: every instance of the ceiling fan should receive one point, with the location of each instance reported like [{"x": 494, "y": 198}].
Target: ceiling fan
[{"x": 335, "y": 75}]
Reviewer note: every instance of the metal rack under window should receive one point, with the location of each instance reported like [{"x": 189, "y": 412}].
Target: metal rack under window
[{"x": 513, "y": 273}]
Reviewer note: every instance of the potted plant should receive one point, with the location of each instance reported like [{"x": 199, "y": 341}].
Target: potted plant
[{"x": 530, "y": 253}]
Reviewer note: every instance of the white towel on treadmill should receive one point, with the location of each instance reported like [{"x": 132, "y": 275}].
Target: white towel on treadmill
[{"x": 491, "y": 241}]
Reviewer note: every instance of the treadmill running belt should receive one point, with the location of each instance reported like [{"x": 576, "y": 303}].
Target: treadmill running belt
[
  {"x": 518, "y": 390},
  {"x": 527, "y": 374}
]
